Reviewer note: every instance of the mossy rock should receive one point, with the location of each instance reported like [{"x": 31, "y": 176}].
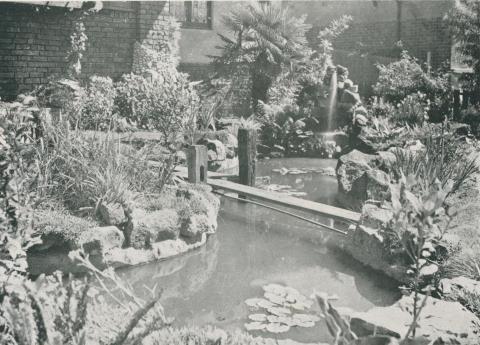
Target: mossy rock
[
  {"x": 155, "y": 226},
  {"x": 60, "y": 230}
]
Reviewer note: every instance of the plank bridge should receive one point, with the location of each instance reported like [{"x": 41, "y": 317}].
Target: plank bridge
[{"x": 197, "y": 159}]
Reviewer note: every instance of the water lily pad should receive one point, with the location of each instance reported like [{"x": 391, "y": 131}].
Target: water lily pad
[
  {"x": 277, "y": 328},
  {"x": 255, "y": 326},
  {"x": 253, "y": 302},
  {"x": 279, "y": 311},
  {"x": 274, "y": 298},
  {"x": 258, "y": 317},
  {"x": 287, "y": 320},
  {"x": 306, "y": 324},
  {"x": 263, "y": 303},
  {"x": 290, "y": 298},
  {"x": 273, "y": 319},
  {"x": 302, "y": 318},
  {"x": 298, "y": 306}
]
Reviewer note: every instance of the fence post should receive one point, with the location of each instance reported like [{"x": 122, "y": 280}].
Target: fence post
[
  {"x": 247, "y": 155},
  {"x": 197, "y": 160}
]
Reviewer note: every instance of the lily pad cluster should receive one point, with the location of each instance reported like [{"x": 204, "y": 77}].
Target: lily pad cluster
[
  {"x": 281, "y": 308},
  {"x": 286, "y": 189},
  {"x": 328, "y": 171}
]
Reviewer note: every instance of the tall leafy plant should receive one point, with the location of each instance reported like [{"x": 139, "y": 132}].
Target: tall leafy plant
[
  {"x": 267, "y": 37},
  {"x": 419, "y": 224}
]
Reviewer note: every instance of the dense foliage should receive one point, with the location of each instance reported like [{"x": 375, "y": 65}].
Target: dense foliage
[
  {"x": 163, "y": 101},
  {"x": 406, "y": 77},
  {"x": 464, "y": 20}
]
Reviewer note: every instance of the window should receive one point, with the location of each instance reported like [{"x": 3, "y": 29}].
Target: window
[{"x": 195, "y": 14}]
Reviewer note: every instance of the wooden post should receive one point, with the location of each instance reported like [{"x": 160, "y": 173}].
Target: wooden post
[
  {"x": 197, "y": 160},
  {"x": 247, "y": 155}
]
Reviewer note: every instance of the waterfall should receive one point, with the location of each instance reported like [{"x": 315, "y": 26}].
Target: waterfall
[{"x": 332, "y": 101}]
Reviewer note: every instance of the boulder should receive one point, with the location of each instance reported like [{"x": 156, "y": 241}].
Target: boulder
[
  {"x": 360, "y": 120},
  {"x": 373, "y": 185},
  {"x": 360, "y": 180},
  {"x": 366, "y": 245},
  {"x": 351, "y": 167},
  {"x": 101, "y": 239},
  {"x": 229, "y": 140},
  {"x": 156, "y": 226},
  {"x": 451, "y": 287},
  {"x": 111, "y": 214},
  {"x": 212, "y": 155},
  {"x": 376, "y": 217},
  {"x": 200, "y": 199},
  {"x": 386, "y": 159},
  {"x": 216, "y": 149},
  {"x": 364, "y": 139},
  {"x": 197, "y": 224},
  {"x": 440, "y": 322}
]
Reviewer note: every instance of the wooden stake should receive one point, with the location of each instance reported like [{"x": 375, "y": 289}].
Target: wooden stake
[
  {"x": 197, "y": 160},
  {"x": 247, "y": 155}
]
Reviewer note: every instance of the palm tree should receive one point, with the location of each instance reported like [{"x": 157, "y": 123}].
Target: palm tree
[{"x": 267, "y": 38}]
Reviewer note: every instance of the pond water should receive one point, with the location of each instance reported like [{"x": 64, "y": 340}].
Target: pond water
[{"x": 255, "y": 246}]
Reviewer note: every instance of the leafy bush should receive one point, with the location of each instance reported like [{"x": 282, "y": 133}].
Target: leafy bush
[
  {"x": 406, "y": 76},
  {"x": 97, "y": 112},
  {"x": 163, "y": 101}
]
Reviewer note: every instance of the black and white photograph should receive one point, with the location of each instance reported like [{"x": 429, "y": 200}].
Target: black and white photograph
[{"x": 240, "y": 172}]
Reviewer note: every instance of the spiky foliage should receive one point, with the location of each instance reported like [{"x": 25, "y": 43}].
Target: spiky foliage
[
  {"x": 443, "y": 159},
  {"x": 266, "y": 39},
  {"x": 464, "y": 21}
]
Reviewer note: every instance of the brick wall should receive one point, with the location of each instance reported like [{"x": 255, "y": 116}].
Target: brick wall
[{"x": 34, "y": 41}]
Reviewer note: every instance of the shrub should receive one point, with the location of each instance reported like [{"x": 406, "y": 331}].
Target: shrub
[
  {"x": 406, "y": 76},
  {"x": 97, "y": 112},
  {"x": 163, "y": 101}
]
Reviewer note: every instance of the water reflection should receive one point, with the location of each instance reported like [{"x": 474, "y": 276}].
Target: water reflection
[{"x": 255, "y": 246}]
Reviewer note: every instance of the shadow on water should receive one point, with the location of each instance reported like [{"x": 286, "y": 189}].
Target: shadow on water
[{"x": 255, "y": 246}]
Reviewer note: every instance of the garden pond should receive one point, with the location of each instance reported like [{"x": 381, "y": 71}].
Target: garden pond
[{"x": 255, "y": 247}]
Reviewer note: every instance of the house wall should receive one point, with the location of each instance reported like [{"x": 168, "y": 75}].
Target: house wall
[
  {"x": 34, "y": 41},
  {"x": 376, "y": 28},
  {"x": 196, "y": 45}
]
